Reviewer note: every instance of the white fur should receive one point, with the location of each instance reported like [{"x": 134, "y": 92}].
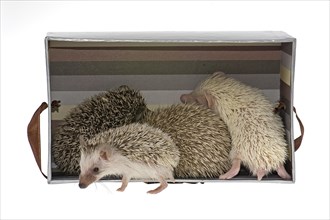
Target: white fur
[
  {"x": 122, "y": 166},
  {"x": 257, "y": 133}
]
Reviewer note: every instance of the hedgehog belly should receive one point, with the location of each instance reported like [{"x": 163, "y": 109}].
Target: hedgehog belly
[
  {"x": 201, "y": 136},
  {"x": 144, "y": 171}
]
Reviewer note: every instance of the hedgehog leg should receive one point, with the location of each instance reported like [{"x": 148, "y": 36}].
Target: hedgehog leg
[
  {"x": 235, "y": 168},
  {"x": 163, "y": 185},
  {"x": 124, "y": 183},
  {"x": 261, "y": 173},
  {"x": 282, "y": 173}
]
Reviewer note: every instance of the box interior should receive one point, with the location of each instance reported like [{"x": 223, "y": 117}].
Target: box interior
[{"x": 164, "y": 71}]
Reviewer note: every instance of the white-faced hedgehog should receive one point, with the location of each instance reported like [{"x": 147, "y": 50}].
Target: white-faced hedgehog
[
  {"x": 131, "y": 151},
  {"x": 201, "y": 137},
  {"x": 258, "y": 136},
  {"x": 106, "y": 110}
]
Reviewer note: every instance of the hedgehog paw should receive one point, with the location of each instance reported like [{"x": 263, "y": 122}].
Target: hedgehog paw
[
  {"x": 260, "y": 174},
  {"x": 158, "y": 189},
  {"x": 163, "y": 185},
  {"x": 235, "y": 168},
  {"x": 124, "y": 183},
  {"x": 121, "y": 189},
  {"x": 282, "y": 173}
]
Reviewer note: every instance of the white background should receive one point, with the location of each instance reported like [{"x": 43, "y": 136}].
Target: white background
[{"x": 25, "y": 193}]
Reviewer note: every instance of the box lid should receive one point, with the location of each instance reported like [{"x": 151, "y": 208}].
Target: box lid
[{"x": 175, "y": 37}]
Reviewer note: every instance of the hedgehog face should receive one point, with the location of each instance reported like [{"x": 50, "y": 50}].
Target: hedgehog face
[{"x": 93, "y": 164}]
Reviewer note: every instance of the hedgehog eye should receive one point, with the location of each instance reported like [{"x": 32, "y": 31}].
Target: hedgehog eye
[{"x": 96, "y": 170}]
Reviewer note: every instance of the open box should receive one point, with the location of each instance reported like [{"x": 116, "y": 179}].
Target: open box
[{"x": 164, "y": 65}]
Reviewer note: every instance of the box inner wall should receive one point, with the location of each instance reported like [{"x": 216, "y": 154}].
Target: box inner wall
[{"x": 163, "y": 73}]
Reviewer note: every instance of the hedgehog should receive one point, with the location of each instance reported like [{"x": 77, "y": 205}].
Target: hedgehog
[
  {"x": 98, "y": 113},
  {"x": 201, "y": 136},
  {"x": 131, "y": 151},
  {"x": 258, "y": 135}
]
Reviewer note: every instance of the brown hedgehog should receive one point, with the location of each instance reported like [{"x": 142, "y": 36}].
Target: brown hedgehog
[
  {"x": 131, "y": 151},
  {"x": 258, "y": 136},
  {"x": 106, "y": 110},
  {"x": 201, "y": 137}
]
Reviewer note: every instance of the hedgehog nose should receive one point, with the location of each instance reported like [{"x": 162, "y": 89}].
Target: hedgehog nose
[{"x": 82, "y": 186}]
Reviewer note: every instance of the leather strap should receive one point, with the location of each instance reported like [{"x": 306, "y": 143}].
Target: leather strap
[
  {"x": 298, "y": 140},
  {"x": 33, "y": 133}
]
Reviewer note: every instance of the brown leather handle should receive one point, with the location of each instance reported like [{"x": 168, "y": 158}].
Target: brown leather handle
[
  {"x": 298, "y": 140},
  {"x": 33, "y": 133}
]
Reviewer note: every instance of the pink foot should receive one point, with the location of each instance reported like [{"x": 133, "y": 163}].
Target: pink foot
[
  {"x": 282, "y": 173},
  {"x": 163, "y": 185},
  {"x": 235, "y": 168},
  {"x": 124, "y": 183},
  {"x": 260, "y": 174},
  {"x": 158, "y": 189},
  {"x": 121, "y": 189}
]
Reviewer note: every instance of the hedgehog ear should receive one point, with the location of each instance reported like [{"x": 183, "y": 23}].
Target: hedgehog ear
[
  {"x": 206, "y": 99},
  {"x": 219, "y": 73},
  {"x": 123, "y": 88},
  {"x": 210, "y": 100},
  {"x": 202, "y": 100},
  {"x": 104, "y": 154},
  {"x": 187, "y": 98}
]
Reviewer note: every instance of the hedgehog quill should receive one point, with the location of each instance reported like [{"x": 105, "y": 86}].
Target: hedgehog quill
[{"x": 201, "y": 136}]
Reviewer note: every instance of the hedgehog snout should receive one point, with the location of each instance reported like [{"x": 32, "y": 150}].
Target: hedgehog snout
[
  {"x": 82, "y": 185},
  {"x": 86, "y": 180}
]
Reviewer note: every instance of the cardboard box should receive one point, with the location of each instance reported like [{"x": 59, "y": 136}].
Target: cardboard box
[{"x": 164, "y": 65}]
